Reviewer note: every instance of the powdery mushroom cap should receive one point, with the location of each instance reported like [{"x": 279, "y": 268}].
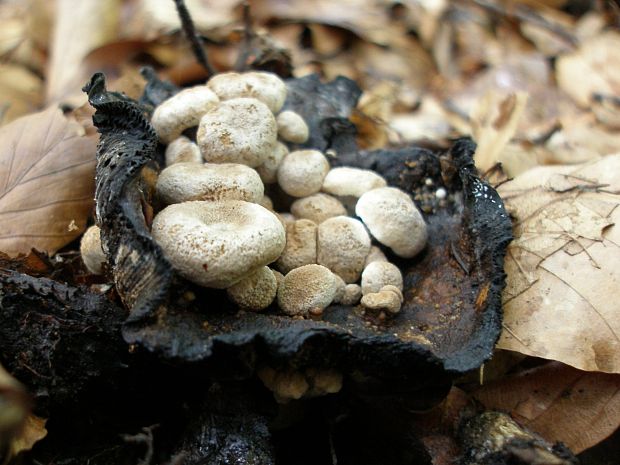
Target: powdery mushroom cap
[
  {"x": 394, "y": 220},
  {"x": 351, "y": 295},
  {"x": 182, "y": 150},
  {"x": 266, "y": 87},
  {"x": 182, "y": 182},
  {"x": 300, "y": 246},
  {"x": 345, "y": 181},
  {"x": 292, "y": 127},
  {"x": 182, "y": 111},
  {"x": 256, "y": 291},
  {"x": 301, "y": 173},
  {"x": 340, "y": 288},
  {"x": 375, "y": 255},
  {"x": 268, "y": 171},
  {"x": 242, "y": 130},
  {"x": 279, "y": 276},
  {"x": 384, "y": 300},
  {"x": 342, "y": 246},
  {"x": 306, "y": 288},
  {"x": 318, "y": 207},
  {"x": 379, "y": 274},
  {"x": 216, "y": 244},
  {"x": 91, "y": 251}
]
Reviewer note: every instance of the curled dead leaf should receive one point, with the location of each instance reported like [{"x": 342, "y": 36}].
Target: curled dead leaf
[
  {"x": 46, "y": 182},
  {"x": 560, "y": 403},
  {"x": 560, "y": 302}
]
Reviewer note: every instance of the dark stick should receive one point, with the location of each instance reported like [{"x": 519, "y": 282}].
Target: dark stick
[
  {"x": 190, "y": 31},
  {"x": 248, "y": 35}
]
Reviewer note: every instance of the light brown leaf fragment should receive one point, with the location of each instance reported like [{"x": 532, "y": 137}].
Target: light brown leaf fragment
[
  {"x": 560, "y": 302},
  {"x": 32, "y": 432},
  {"x": 560, "y": 403},
  {"x": 46, "y": 182}
]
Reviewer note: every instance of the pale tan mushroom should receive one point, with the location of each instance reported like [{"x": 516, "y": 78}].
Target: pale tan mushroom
[
  {"x": 379, "y": 274},
  {"x": 351, "y": 182},
  {"x": 300, "y": 246},
  {"x": 266, "y": 87},
  {"x": 182, "y": 150},
  {"x": 301, "y": 173},
  {"x": 256, "y": 291},
  {"x": 394, "y": 220},
  {"x": 268, "y": 171},
  {"x": 286, "y": 385},
  {"x": 241, "y": 130},
  {"x": 388, "y": 299},
  {"x": 351, "y": 295},
  {"x": 91, "y": 251},
  {"x": 342, "y": 246},
  {"x": 375, "y": 255},
  {"x": 182, "y": 111},
  {"x": 216, "y": 244},
  {"x": 209, "y": 181},
  {"x": 292, "y": 127},
  {"x": 318, "y": 207},
  {"x": 309, "y": 287}
]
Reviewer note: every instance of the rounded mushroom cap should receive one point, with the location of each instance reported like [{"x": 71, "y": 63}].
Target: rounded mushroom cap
[
  {"x": 351, "y": 295},
  {"x": 345, "y": 181},
  {"x": 216, "y": 244},
  {"x": 306, "y": 288},
  {"x": 375, "y": 255},
  {"x": 301, "y": 173},
  {"x": 256, "y": 291},
  {"x": 379, "y": 274},
  {"x": 394, "y": 220},
  {"x": 292, "y": 127},
  {"x": 268, "y": 171},
  {"x": 342, "y": 246},
  {"x": 285, "y": 385},
  {"x": 91, "y": 251},
  {"x": 266, "y": 87},
  {"x": 300, "y": 246},
  {"x": 242, "y": 130},
  {"x": 385, "y": 300},
  {"x": 182, "y": 150},
  {"x": 318, "y": 207},
  {"x": 182, "y": 182},
  {"x": 340, "y": 288},
  {"x": 182, "y": 111}
]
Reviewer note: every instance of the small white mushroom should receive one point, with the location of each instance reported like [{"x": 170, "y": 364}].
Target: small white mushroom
[
  {"x": 292, "y": 127},
  {"x": 300, "y": 246},
  {"x": 209, "y": 181},
  {"x": 395, "y": 290},
  {"x": 340, "y": 288},
  {"x": 91, "y": 251},
  {"x": 279, "y": 276},
  {"x": 301, "y": 173},
  {"x": 182, "y": 111},
  {"x": 256, "y": 291},
  {"x": 266, "y": 202},
  {"x": 268, "y": 171},
  {"x": 286, "y": 218},
  {"x": 266, "y": 87},
  {"x": 318, "y": 207},
  {"x": 394, "y": 220},
  {"x": 216, "y": 244},
  {"x": 351, "y": 295},
  {"x": 379, "y": 274},
  {"x": 375, "y": 255},
  {"x": 342, "y": 246},
  {"x": 242, "y": 130},
  {"x": 384, "y": 300},
  {"x": 309, "y": 287},
  {"x": 345, "y": 181},
  {"x": 182, "y": 150}
]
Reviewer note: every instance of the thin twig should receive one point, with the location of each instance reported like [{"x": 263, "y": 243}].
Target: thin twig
[
  {"x": 196, "y": 41},
  {"x": 248, "y": 36}
]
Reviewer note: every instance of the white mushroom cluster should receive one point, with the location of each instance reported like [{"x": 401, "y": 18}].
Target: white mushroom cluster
[{"x": 219, "y": 230}]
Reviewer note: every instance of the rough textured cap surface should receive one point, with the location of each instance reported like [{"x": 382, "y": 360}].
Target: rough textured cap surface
[
  {"x": 345, "y": 181},
  {"x": 301, "y": 173},
  {"x": 256, "y": 291},
  {"x": 318, "y": 207},
  {"x": 266, "y": 87},
  {"x": 216, "y": 244},
  {"x": 242, "y": 130},
  {"x": 306, "y": 288}
]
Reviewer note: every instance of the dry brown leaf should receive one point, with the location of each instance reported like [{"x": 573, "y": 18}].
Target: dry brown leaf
[
  {"x": 21, "y": 92},
  {"x": 46, "y": 182},
  {"x": 80, "y": 27},
  {"x": 560, "y": 403},
  {"x": 593, "y": 68},
  {"x": 32, "y": 432},
  {"x": 560, "y": 300}
]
